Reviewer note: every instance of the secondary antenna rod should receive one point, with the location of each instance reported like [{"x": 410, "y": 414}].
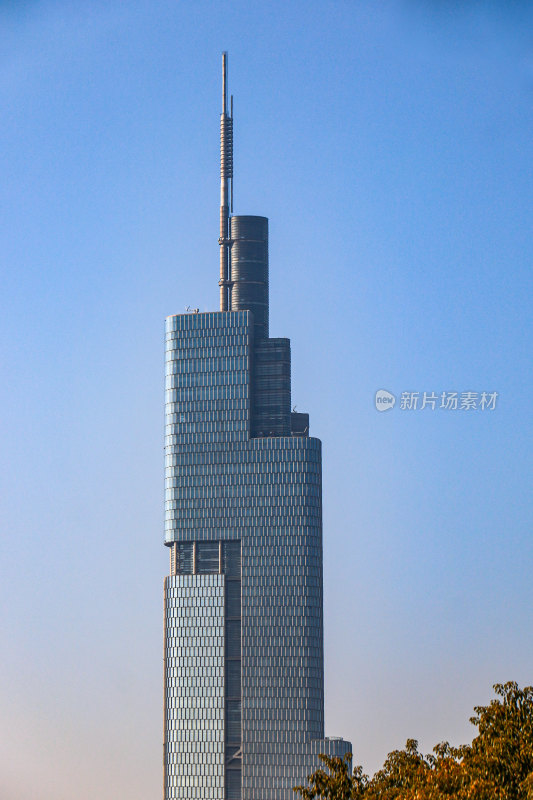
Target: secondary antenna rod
[{"x": 226, "y": 176}]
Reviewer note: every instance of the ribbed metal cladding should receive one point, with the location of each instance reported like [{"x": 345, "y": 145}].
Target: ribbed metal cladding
[
  {"x": 226, "y": 177},
  {"x": 226, "y": 146},
  {"x": 249, "y": 269},
  {"x": 271, "y": 396}
]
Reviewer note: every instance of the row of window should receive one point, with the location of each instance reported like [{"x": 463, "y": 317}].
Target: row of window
[
  {"x": 190, "y": 741},
  {"x": 292, "y": 695},
  {"x": 253, "y": 609},
  {"x": 184, "y": 516},
  {"x": 181, "y": 431},
  {"x": 280, "y": 555},
  {"x": 197, "y": 773},
  {"x": 182, "y": 597},
  {"x": 191, "y": 627},
  {"x": 191, "y": 487},
  {"x": 279, "y": 504},
  {"x": 200, "y": 527},
  {"x": 198, "y": 608},
  {"x": 201, "y": 602},
  {"x": 199, "y": 712},
  {"x": 224, "y": 363},
  {"x": 218, "y": 378},
  {"x": 313, "y": 615},
  {"x": 289, "y": 732},
  {"x": 195, "y": 338},
  {"x": 207, "y": 730},
  {"x": 277, "y": 603},
  {"x": 210, "y": 595},
  {"x": 176, "y": 791},
  {"x": 209, "y": 692},
  {"x": 293, "y": 758},
  {"x": 204, "y": 757},
  {"x": 194, "y": 348},
  {"x": 202, "y": 608},
  {"x": 205, "y": 645},
  {"x": 212, "y": 475},
  {"x": 207, "y": 320},
  {"x": 196, "y": 394},
  {"x": 239, "y": 460},
  {"x": 279, "y": 566},
  {"x": 299, "y": 567},
  {"x": 214, "y": 409},
  {"x": 276, "y": 680},
  {"x": 207, "y": 405},
  {"x": 272, "y": 667},
  {"x": 209, "y": 586},
  {"x": 277, "y": 649},
  {"x": 294, "y": 705},
  {"x": 204, "y": 657},
  {"x": 284, "y": 542},
  {"x": 204, "y": 689},
  {"x": 239, "y": 498},
  {"x": 267, "y": 448},
  {"x": 285, "y": 533},
  {"x": 296, "y": 534},
  {"x": 293, "y": 752},
  {"x": 282, "y": 550},
  {"x": 289, "y": 580},
  {"x": 241, "y": 489},
  {"x": 228, "y": 438}
]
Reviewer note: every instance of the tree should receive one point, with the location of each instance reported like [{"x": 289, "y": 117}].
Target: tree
[
  {"x": 335, "y": 783},
  {"x": 498, "y": 765},
  {"x": 499, "y": 762}
]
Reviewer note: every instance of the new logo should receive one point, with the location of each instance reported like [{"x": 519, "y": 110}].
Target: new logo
[{"x": 384, "y": 400}]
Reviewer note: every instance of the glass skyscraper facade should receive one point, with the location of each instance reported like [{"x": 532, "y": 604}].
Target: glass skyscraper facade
[{"x": 244, "y": 678}]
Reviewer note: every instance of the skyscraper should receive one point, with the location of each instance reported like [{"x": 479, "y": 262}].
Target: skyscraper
[{"x": 244, "y": 675}]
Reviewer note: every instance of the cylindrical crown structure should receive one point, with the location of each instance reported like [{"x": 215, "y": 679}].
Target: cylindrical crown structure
[{"x": 249, "y": 269}]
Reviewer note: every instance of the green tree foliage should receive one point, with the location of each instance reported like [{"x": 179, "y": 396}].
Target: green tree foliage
[{"x": 498, "y": 765}]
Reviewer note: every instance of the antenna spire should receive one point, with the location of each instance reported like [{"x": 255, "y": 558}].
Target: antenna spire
[{"x": 226, "y": 179}]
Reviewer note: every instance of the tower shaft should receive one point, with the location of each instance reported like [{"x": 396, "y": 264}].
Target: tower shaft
[{"x": 244, "y": 677}]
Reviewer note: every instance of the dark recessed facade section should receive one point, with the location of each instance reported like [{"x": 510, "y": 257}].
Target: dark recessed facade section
[
  {"x": 299, "y": 424},
  {"x": 271, "y": 388},
  {"x": 249, "y": 269}
]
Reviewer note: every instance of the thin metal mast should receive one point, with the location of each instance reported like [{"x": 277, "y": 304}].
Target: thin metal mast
[{"x": 226, "y": 178}]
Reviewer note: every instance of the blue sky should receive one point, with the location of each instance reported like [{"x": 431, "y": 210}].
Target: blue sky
[{"x": 390, "y": 145}]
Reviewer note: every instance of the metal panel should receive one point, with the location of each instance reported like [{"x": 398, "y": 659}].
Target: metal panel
[
  {"x": 207, "y": 558},
  {"x": 249, "y": 269},
  {"x": 233, "y": 598},
  {"x": 233, "y": 678},
  {"x": 184, "y": 558},
  {"x": 233, "y": 638},
  {"x": 232, "y": 559},
  {"x": 271, "y": 388},
  {"x": 233, "y": 720},
  {"x": 233, "y": 784},
  {"x": 299, "y": 424}
]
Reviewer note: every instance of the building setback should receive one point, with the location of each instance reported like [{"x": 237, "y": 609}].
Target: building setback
[{"x": 244, "y": 660}]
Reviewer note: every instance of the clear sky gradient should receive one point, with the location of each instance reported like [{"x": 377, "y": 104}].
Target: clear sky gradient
[{"x": 390, "y": 144}]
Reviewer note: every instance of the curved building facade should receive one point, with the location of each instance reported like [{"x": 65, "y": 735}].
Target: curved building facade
[{"x": 244, "y": 677}]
